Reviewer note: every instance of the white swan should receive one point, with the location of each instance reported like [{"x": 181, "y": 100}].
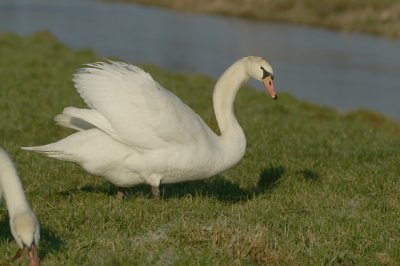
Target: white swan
[
  {"x": 138, "y": 132},
  {"x": 23, "y": 222}
]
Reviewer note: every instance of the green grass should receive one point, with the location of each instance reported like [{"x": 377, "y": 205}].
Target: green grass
[
  {"x": 315, "y": 187},
  {"x": 380, "y": 17}
]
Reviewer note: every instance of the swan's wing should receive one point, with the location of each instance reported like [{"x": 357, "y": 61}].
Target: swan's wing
[
  {"x": 85, "y": 119},
  {"x": 141, "y": 112}
]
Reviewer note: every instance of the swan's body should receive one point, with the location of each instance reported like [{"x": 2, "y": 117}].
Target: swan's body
[
  {"x": 138, "y": 132},
  {"x": 23, "y": 222}
]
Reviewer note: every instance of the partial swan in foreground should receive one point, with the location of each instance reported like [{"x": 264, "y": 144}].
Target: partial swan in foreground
[
  {"x": 23, "y": 222},
  {"x": 135, "y": 131}
]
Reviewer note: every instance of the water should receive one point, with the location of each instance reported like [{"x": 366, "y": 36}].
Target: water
[{"x": 345, "y": 71}]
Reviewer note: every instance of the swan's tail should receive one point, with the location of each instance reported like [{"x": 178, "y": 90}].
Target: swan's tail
[
  {"x": 50, "y": 150},
  {"x": 62, "y": 149},
  {"x": 74, "y": 148}
]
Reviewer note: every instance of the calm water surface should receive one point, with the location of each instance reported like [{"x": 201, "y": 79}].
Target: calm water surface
[{"x": 345, "y": 71}]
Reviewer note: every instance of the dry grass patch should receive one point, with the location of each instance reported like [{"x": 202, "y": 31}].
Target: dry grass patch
[{"x": 371, "y": 16}]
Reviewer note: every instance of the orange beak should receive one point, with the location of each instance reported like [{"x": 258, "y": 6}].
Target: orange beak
[
  {"x": 33, "y": 256},
  {"x": 269, "y": 85}
]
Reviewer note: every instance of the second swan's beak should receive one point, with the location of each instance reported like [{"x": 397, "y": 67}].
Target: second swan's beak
[
  {"x": 33, "y": 256},
  {"x": 269, "y": 85}
]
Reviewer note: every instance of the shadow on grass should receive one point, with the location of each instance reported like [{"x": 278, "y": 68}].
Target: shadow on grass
[
  {"x": 5, "y": 232},
  {"x": 49, "y": 242},
  {"x": 108, "y": 189},
  {"x": 269, "y": 178},
  {"x": 224, "y": 190},
  {"x": 215, "y": 187},
  {"x": 308, "y": 174}
]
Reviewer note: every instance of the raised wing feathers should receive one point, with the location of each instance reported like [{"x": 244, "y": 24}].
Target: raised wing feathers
[{"x": 140, "y": 111}]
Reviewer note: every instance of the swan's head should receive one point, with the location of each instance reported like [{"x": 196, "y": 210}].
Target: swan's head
[
  {"x": 260, "y": 69},
  {"x": 26, "y": 232}
]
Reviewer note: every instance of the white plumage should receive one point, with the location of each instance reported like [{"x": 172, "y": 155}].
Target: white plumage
[
  {"x": 135, "y": 131},
  {"x": 23, "y": 223}
]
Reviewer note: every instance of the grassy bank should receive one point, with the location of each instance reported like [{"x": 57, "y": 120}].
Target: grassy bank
[
  {"x": 315, "y": 187},
  {"x": 369, "y": 16}
]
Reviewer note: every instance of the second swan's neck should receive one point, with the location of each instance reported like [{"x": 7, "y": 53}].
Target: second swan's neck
[{"x": 10, "y": 186}]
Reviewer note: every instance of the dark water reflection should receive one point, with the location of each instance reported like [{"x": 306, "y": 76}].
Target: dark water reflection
[{"x": 345, "y": 71}]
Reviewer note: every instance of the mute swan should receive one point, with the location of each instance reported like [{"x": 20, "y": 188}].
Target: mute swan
[
  {"x": 135, "y": 131},
  {"x": 23, "y": 223}
]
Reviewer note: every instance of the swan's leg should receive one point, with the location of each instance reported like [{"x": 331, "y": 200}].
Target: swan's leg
[
  {"x": 154, "y": 181},
  {"x": 155, "y": 190},
  {"x": 121, "y": 193}
]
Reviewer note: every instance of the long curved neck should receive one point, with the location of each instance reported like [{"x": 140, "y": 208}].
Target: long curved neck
[
  {"x": 232, "y": 135},
  {"x": 225, "y": 92},
  {"x": 10, "y": 186}
]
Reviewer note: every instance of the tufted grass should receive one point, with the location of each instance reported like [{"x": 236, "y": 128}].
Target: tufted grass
[{"x": 315, "y": 187}]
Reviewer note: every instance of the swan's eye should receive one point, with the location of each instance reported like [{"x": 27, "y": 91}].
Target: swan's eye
[{"x": 266, "y": 74}]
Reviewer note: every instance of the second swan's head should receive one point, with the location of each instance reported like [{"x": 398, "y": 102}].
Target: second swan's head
[
  {"x": 260, "y": 69},
  {"x": 26, "y": 232}
]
